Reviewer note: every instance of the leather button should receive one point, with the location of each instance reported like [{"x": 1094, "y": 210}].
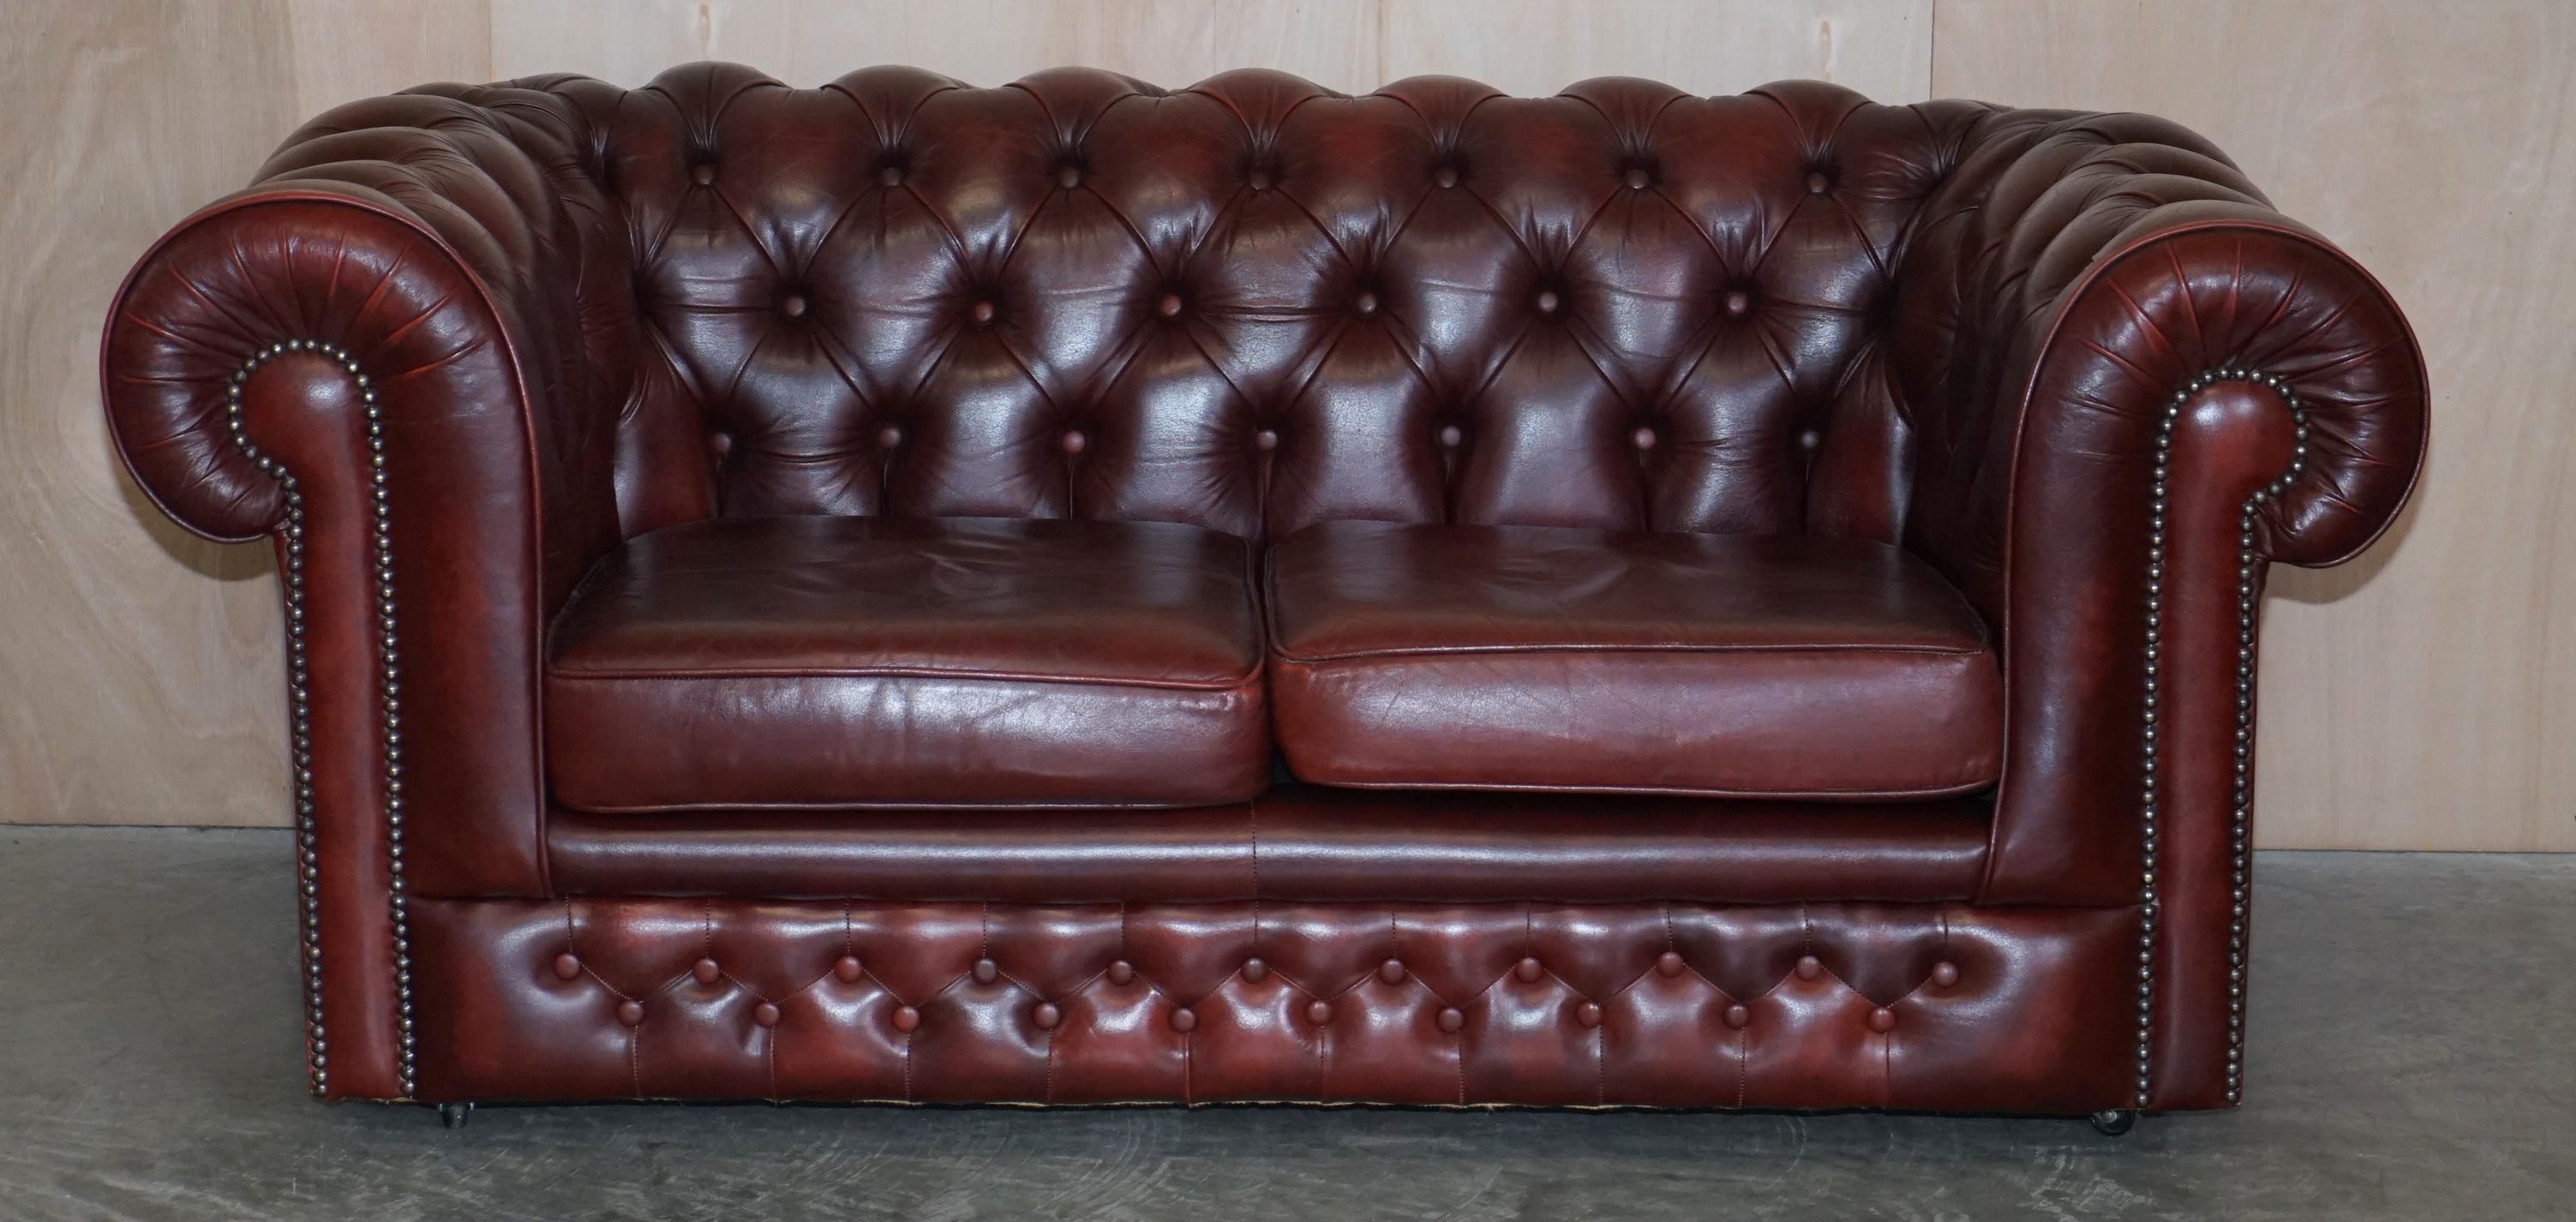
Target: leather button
[
  {"x": 704, "y": 175},
  {"x": 1669, "y": 963},
  {"x": 1882, "y": 1019},
  {"x": 1588, "y": 1014},
  {"x": 1185, "y": 1020},
  {"x": 1169, "y": 305},
  {"x": 1265, "y": 440},
  {"x": 1445, "y": 177},
  {"x": 1738, "y": 1017},
  {"x": 1255, "y": 970},
  {"x": 1319, "y": 1012},
  {"x": 906, "y": 1018},
  {"x": 1046, "y": 1016},
  {"x": 891, "y": 176},
  {"x": 1817, "y": 183},
  {"x": 1121, "y": 972},
  {"x": 720, "y": 444},
  {"x": 847, "y": 970},
  {"x": 1809, "y": 968},
  {"x": 890, "y": 436},
  {"x": 765, "y": 1014},
  {"x": 793, "y": 305},
  {"x": 1450, "y": 436},
  {"x": 1074, "y": 441},
  {"x": 1637, "y": 178},
  {"x": 1547, "y": 301},
  {"x": 1258, "y": 180},
  {"x": 1809, "y": 439},
  {"x": 1643, "y": 438},
  {"x": 1945, "y": 974},
  {"x": 987, "y": 971},
  {"x": 1528, "y": 970},
  {"x": 1738, "y": 303},
  {"x": 567, "y": 967},
  {"x": 630, "y": 1013},
  {"x": 1451, "y": 1019},
  {"x": 1391, "y": 972},
  {"x": 1365, "y": 304},
  {"x": 1068, "y": 176},
  {"x": 706, "y": 971},
  {"x": 982, "y": 313}
]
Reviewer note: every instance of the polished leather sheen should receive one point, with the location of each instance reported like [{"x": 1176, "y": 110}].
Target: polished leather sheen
[
  {"x": 841, "y": 661},
  {"x": 1294, "y": 843},
  {"x": 1459, "y": 1005},
  {"x": 1466, "y": 657},
  {"x": 820, "y": 534}
]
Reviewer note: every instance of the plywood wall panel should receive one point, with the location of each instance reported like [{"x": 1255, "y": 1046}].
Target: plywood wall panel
[
  {"x": 808, "y": 42},
  {"x": 2424, "y": 697},
  {"x": 140, "y": 672},
  {"x": 1882, "y": 48}
]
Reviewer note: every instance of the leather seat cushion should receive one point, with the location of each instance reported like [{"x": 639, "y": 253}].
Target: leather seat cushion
[
  {"x": 1545, "y": 658},
  {"x": 853, "y": 661}
]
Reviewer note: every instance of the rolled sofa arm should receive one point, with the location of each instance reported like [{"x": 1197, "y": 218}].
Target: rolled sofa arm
[
  {"x": 377, "y": 355},
  {"x": 2152, "y": 384}
]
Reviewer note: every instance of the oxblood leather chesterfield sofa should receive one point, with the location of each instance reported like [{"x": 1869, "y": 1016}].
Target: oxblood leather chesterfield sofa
[{"x": 1075, "y": 593}]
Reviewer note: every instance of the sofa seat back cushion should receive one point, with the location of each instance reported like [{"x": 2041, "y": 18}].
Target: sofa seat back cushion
[
  {"x": 1546, "y": 658},
  {"x": 850, "y": 661}
]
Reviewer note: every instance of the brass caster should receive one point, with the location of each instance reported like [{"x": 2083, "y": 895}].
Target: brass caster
[
  {"x": 2114, "y": 1123},
  {"x": 452, "y": 1115}
]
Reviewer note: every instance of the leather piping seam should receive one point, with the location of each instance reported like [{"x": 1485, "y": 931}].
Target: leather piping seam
[
  {"x": 1317, "y": 777},
  {"x": 1435, "y": 651},
  {"x": 307, "y": 859},
  {"x": 1251, "y": 678},
  {"x": 2249, "y": 568}
]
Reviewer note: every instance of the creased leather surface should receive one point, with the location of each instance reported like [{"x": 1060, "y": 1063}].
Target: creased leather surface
[
  {"x": 1251, "y": 306},
  {"x": 1408, "y": 656},
  {"x": 1260, "y": 304},
  {"x": 1295, "y": 842},
  {"x": 844, "y": 661},
  {"x": 1795, "y": 1006}
]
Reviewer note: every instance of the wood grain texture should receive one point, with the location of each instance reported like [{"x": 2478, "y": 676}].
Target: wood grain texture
[
  {"x": 2424, "y": 696},
  {"x": 1882, "y": 48},
  {"x": 140, "y": 671},
  {"x": 2419, "y": 698}
]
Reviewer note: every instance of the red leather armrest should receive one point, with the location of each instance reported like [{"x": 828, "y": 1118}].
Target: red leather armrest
[
  {"x": 444, "y": 412},
  {"x": 2072, "y": 290}
]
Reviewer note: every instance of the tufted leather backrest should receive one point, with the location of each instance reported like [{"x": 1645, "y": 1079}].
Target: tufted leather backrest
[{"x": 1255, "y": 304}]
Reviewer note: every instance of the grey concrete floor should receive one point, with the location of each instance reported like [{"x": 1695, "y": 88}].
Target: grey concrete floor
[{"x": 2413, "y": 1055}]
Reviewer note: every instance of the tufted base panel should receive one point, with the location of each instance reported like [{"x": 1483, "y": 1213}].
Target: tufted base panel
[{"x": 1909, "y": 1006}]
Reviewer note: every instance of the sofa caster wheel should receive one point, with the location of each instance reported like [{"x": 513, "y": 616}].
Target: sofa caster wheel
[
  {"x": 452, "y": 1115},
  {"x": 2113, "y": 1123}
]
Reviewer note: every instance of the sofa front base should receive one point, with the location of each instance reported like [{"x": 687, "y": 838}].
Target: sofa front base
[{"x": 1935, "y": 1007}]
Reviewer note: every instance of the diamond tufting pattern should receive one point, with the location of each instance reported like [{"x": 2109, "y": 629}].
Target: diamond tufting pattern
[
  {"x": 1079, "y": 295},
  {"x": 1635, "y": 1004}
]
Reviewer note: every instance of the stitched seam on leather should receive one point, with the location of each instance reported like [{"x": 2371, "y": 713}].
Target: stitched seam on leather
[
  {"x": 1416, "y": 651},
  {"x": 556, "y": 674},
  {"x": 1325, "y": 778}
]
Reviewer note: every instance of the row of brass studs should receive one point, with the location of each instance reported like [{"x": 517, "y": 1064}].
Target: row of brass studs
[
  {"x": 299, "y": 698},
  {"x": 2248, "y": 575}
]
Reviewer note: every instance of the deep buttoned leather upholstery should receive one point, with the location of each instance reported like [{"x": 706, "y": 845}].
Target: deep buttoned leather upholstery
[
  {"x": 482, "y": 359},
  {"x": 1483, "y": 657},
  {"x": 849, "y": 661}
]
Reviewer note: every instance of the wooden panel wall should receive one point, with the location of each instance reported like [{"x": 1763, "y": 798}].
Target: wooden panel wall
[{"x": 2420, "y": 699}]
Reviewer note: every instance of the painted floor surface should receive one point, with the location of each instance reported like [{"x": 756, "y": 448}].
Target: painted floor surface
[{"x": 2412, "y": 1055}]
